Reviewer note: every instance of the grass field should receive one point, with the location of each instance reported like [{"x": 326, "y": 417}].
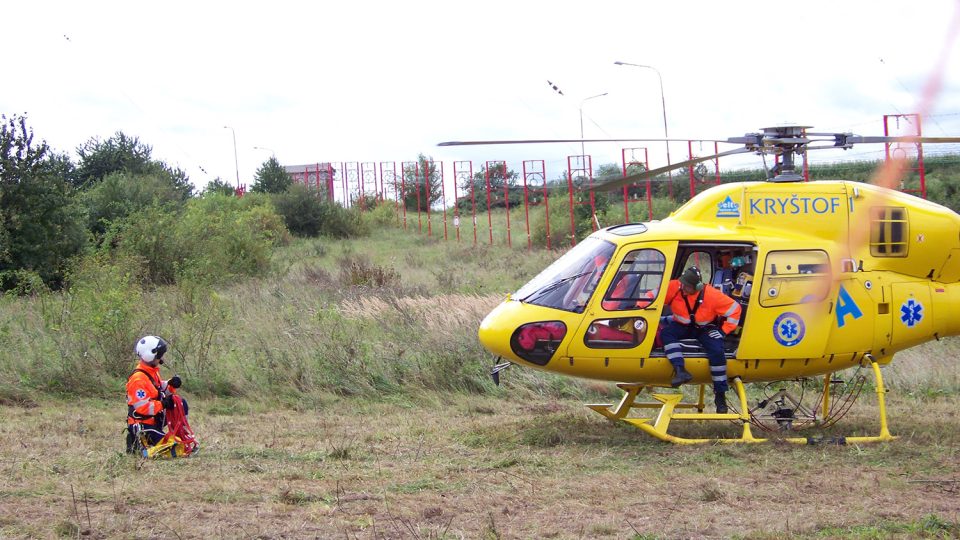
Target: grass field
[
  {"x": 345, "y": 396},
  {"x": 453, "y": 466}
]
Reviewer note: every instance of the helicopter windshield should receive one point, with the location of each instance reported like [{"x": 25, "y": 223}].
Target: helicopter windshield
[{"x": 569, "y": 282}]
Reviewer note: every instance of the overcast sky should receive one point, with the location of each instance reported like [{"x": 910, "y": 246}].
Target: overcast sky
[{"x": 364, "y": 81}]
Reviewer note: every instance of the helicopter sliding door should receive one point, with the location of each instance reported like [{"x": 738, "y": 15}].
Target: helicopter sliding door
[
  {"x": 620, "y": 326},
  {"x": 792, "y": 318}
]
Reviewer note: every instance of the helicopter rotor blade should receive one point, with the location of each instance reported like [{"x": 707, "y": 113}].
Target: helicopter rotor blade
[
  {"x": 551, "y": 141},
  {"x": 859, "y": 139},
  {"x": 614, "y": 183},
  {"x": 785, "y": 141}
]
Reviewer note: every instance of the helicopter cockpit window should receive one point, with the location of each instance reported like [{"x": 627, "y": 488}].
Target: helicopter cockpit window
[
  {"x": 637, "y": 281},
  {"x": 569, "y": 282},
  {"x": 795, "y": 277}
]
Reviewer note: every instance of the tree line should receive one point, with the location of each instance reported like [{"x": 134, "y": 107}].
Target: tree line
[{"x": 117, "y": 201}]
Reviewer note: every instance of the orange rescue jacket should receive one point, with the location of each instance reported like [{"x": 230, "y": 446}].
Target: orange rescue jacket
[
  {"x": 715, "y": 304},
  {"x": 143, "y": 395}
]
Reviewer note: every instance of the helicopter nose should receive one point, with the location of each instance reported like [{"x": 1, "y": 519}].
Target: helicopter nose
[
  {"x": 514, "y": 332},
  {"x": 495, "y": 331}
]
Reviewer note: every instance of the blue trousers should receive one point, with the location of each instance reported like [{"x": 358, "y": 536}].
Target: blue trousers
[{"x": 673, "y": 332}]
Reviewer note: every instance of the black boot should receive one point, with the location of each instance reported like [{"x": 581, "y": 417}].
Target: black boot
[
  {"x": 720, "y": 400},
  {"x": 680, "y": 376}
]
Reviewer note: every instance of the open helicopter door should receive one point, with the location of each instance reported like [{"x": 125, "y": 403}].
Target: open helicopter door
[{"x": 620, "y": 322}]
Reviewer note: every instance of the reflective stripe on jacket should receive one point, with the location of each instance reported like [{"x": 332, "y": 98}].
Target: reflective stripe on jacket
[
  {"x": 143, "y": 394},
  {"x": 715, "y": 304}
]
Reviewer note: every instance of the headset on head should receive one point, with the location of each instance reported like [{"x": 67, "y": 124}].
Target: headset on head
[{"x": 699, "y": 286}]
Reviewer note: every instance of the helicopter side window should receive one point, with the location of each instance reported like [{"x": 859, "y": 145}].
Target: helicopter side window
[
  {"x": 889, "y": 232},
  {"x": 795, "y": 277},
  {"x": 637, "y": 281},
  {"x": 620, "y": 333}
]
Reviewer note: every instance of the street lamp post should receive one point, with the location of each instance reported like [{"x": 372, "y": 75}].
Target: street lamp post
[
  {"x": 272, "y": 153},
  {"x": 582, "y": 150},
  {"x": 236, "y": 162},
  {"x": 663, "y": 103}
]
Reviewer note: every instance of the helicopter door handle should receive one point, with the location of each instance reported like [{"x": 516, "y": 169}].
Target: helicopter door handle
[{"x": 651, "y": 307}]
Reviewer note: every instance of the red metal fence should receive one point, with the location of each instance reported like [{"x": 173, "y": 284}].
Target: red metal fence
[
  {"x": 449, "y": 192},
  {"x": 443, "y": 194}
]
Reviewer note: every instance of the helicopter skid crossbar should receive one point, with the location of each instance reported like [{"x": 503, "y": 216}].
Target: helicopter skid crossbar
[{"x": 668, "y": 404}]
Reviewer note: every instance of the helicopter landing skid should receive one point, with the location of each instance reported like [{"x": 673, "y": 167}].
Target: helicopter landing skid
[{"x": 669, "y": 403}]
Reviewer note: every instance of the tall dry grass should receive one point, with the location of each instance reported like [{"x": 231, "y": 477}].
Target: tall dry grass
[
  {"x": 394, "y": 313},
  {"x": 928, "y": 369}
]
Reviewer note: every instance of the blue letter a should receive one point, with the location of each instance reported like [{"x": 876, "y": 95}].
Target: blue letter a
[{"x": 846, "y": 306}]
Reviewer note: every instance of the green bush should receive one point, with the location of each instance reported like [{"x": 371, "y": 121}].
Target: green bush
[
  {"x": 271, "y": 177},
  {"x": 199, "y": 316},
  {"x": 80, "y": 340},
  {"x": 560, "y": 222},
  {"x": 123, "y": 153},
  {"x": 218, "y": 187},
  {"x": 307, "y": 213},
  {"x": 214, "y": 239},
  {"x": 150, "y": 236},
  {"x": 225, "y": 237},
  {"x": 381, "y": 214},
  {"x": 120, "y": 194},
  {"x": 104, "y": 312},
  {"x": 41, "y": 227}
]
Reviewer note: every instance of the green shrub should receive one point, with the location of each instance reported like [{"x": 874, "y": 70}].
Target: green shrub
[
  {"x": 381, "y": 214},
  {"x": 149, "y": 235},
  {"x": 104, "y": 313},
  {"x": 560, "y": 222},
  {"x": 41, "y": 228},
  {"x": 308, "y": 213},
  {"x": 225, "y": 237},
  {"x": 214, "y": 239},
  {"x": 22, "y": 282},
  {"x": 200, "y": 316},
  {"x": 120, "y": 194}
]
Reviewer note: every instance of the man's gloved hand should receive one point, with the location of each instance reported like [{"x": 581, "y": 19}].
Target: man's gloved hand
[
  {"x": 167, "y": 402},
  {"x": 715, "y": 334},
  {"x": 175, "y": 381}
]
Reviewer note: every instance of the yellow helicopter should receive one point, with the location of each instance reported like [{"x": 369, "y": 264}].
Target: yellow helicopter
[{"x": 829, "y": 275}]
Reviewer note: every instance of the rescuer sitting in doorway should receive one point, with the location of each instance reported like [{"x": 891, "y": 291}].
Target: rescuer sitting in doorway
[{"x": 696, "y": 309}]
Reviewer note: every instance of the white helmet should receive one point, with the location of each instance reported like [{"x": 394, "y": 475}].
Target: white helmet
[{"x": 150, "y": 348}]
